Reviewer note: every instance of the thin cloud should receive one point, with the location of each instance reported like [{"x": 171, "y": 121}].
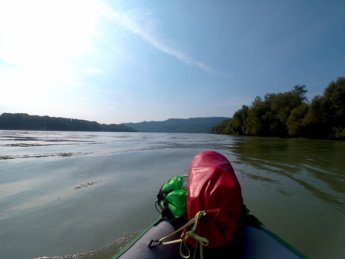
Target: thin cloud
[{"x": 131, "y": 25}]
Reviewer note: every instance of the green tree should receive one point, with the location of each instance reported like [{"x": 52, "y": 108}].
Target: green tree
[
  {"x": 290, "y": 114},
  {"x": 257, "y": 118},
  {"x": 223, "y": 127},
  {"x": 238, "y": 122},
  {"x": 316, "y": 121},
  {"x": 326, "y": 116},
  {"x": 295, "y": 125},
  {"x": 282, "y": 104},
  {"x": 334, "y": 102}
]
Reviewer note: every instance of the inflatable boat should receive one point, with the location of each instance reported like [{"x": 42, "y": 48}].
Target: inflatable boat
[
  {"x": 252, "y": 241},
  {"x": 221, "y": 226}
]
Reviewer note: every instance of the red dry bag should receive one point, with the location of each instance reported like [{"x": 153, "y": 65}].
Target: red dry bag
[{"x": 213, "y": 187}]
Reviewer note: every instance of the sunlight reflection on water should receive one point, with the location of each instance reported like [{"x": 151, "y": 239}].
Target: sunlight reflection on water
[{"x": 64, "y": 193}]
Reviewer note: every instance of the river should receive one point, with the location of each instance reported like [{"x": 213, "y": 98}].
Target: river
[{"x": 87, "y": 193}]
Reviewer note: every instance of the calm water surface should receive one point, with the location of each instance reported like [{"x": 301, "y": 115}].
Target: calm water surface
[{"x": 87, "y": 194}]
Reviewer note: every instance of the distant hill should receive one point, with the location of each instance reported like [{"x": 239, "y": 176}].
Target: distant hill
[
  {"x": 23, "y": 121},
  {"x": 192, "y": 125}
]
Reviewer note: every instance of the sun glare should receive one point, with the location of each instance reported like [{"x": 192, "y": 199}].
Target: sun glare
[
  {"x": 40, "y": 33},
  {"x": 39, "y": 42}
]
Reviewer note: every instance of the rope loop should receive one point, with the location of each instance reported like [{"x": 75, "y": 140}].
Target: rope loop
[{"x": 201, "y": 241}]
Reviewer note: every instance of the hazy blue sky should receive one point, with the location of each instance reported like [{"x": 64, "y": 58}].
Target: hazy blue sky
[{"x": 129, "y": 61}]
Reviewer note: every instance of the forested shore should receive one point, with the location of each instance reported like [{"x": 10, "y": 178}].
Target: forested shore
[
  {"x": 291, "y": 114},
  {"x": 23, "y": 121}
]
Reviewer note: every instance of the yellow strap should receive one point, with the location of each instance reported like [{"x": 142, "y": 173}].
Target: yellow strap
[
  {"x": 189, "y": 223},
  {"x": 201, "y": 241},
  {"x": 186, "y": 248}
]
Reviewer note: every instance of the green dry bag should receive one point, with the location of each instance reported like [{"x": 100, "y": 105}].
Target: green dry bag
[{"x": 172, "y": 197}]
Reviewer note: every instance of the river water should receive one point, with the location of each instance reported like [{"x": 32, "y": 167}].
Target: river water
[{"x": 86, "y": 194}]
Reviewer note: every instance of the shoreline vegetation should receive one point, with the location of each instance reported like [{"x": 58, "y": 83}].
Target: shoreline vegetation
[
  {"x": 290, "y": 114},
  {"x": 285, "y": 114},
  {"x": 23, "y": 121}
]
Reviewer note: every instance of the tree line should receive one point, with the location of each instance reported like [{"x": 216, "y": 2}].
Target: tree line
[
  {"x": 290, "y": 114},
  {"x": 173, "y": 125},
  {"x": 23, "y": 121}
]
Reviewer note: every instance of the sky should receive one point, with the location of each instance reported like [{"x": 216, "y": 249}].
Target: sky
[{"x": 133, "y": 61}]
